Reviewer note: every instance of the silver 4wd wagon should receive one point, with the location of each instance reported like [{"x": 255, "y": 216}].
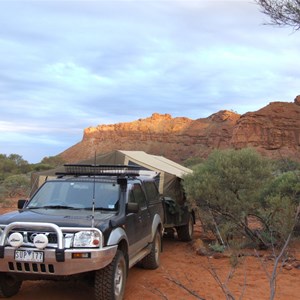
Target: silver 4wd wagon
[{"x": 92, "y": 222}]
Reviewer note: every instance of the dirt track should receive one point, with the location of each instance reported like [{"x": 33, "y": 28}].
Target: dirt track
[{"x": 181, "y": 268}]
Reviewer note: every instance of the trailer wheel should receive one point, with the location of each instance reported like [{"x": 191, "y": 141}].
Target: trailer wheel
[
  {"x": 110, "y": 281},
  {"x": 152, "y": 260},
  {"x": 185, "y": 232},
  {"x": 9, "y": 285}
]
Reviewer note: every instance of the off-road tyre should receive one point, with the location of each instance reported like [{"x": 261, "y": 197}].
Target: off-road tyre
[
  {"x": 110, "y": 281},
  {"x": 152, "y": 260},
  {"x": 9, "y": 285},
  {"x": 185, "y": 232}
]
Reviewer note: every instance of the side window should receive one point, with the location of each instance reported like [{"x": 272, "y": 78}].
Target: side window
[
  {"x": 151, "y": 191},
  {"x": 131, "y": 197},
  {"x": 136, "y": 195}
]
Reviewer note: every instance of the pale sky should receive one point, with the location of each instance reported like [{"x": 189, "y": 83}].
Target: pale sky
[{"x": 69, "y": 65}]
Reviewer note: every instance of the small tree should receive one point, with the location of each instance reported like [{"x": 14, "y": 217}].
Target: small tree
[
  {"x": 13, "y": 164},
  {"x": 285, "y": 165},
  {"x": 227, "y": 188},
  {"x": 282, "y": 12},
  {"x": 192, "y": 161},
  {"x": 21, "y": 164},
  {"x": 53, "y": 161},
  {"x": 232, "y": 185},
  {"x": 48, "y": 163},
  {"x": 280, "y": 205},
  {"x": 16, "y": 185}
]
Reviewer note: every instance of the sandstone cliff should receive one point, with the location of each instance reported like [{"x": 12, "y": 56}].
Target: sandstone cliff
[{"x": 273, "y": 130}]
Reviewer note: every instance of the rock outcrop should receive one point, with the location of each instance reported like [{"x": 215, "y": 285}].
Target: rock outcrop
[
  {"x": 297, "y": 100},
  {"x": 273, "y": 130}
]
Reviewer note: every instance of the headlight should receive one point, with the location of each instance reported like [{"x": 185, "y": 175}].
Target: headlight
[{"x": 87, "y": 239}]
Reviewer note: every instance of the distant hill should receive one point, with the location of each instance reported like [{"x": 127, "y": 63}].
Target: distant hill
[{"x": 273, "y": 130}]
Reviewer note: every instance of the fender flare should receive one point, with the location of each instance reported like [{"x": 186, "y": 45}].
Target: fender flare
[
  {"x": 116, "y": 236},
  {"x": 157, "y": 222}
]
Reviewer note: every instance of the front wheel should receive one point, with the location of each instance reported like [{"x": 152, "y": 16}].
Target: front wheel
[
  {"x": 110, "y": 281},
  {"x": 9, "y": 285},
  {"x": 152, "y": 260}
]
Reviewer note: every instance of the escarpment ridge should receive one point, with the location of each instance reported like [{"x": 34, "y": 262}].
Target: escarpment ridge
[{"x": 273, "y": 130}]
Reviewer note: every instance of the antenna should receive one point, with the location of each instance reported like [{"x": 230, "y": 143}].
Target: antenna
[{"x": 94, "y": 192}]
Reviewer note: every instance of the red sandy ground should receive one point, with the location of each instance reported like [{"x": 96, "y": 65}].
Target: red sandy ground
[{"x": 181, "y": 268}]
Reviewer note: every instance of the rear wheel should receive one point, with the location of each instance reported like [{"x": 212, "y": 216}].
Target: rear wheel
[
  {"x": 185, "y": 232},
  {"x": 152, "y": 260},
  {"x": 110, "y": 281},
  {"x": 9, "y": 285}
]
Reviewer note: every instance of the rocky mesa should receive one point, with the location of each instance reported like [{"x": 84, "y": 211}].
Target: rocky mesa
[{"x": 273, "y": 130}]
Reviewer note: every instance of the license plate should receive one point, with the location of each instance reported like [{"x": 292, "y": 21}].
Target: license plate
[{"x": 29, "y": 255}]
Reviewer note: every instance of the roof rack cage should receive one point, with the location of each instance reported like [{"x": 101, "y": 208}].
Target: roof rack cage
[{"x": 99, "y": 170}]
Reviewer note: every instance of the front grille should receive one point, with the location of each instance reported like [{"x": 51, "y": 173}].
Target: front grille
[{"x": 31, "y": 267}]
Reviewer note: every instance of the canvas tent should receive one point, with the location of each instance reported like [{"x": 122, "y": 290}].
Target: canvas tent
[{"x": 170, "y": 173}]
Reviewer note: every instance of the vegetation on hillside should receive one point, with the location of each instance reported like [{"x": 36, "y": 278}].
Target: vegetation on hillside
[
  {"x": 234, "y": 187},
  {"x": 15, "y": 174}
]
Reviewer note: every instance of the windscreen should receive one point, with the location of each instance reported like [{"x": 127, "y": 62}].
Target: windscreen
[{"x": 76, "y": 194}]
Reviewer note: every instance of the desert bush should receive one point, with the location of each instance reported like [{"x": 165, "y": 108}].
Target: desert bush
[
  {"x": 193, "y": 161},
  {"x": 16, "y": 186},
  {"x": 217, "y": 247},
  {"x": 280, "y": 205},
  {"x": 235, "y": 184},
  {"x": 14, "y": 172},
  {"x": 52, "y": 161},
  {"x": 285, "y": 165},
  {"x": 13, "y": 164},
  {"x": 2, "y": 192},
  {"x": 48, "y": 163}
]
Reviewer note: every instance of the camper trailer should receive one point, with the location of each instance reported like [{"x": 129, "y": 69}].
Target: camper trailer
[{"x": 179, "y": 217}]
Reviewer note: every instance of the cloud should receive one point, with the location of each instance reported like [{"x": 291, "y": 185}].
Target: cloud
[{"x": 68, "y": 65}]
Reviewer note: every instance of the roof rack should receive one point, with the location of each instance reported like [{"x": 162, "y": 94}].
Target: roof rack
[{"x": 100, "y": 170}]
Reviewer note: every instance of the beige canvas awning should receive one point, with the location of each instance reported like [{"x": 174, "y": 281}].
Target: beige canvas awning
[{"x": 170, "y": 172}]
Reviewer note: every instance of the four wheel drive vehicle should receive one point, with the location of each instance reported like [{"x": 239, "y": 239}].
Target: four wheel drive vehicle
[{"x": 92, "y": 222}]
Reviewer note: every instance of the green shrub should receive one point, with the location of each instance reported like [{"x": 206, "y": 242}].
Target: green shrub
[
  {"x": 231, "y": 185},
  {"x": 216, "y": 247},
  {"x": 16, "y": 186}
]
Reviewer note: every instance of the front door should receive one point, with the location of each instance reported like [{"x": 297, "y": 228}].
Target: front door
[{"x": 138, "y": 225}]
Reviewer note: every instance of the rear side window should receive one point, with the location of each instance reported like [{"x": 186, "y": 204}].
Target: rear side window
[
  {"x": 137, "y": 195},
  {"x": 151, "y": 191}
]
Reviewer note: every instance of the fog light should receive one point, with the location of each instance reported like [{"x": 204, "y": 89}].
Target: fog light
[
  {"x": 40, "y": 241},
  {"x": 15, "y": 239}
]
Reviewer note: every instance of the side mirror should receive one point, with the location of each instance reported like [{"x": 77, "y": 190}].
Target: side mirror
[
  {"x": 132, "y": 208},
  {"x": 21, "y": 203}
]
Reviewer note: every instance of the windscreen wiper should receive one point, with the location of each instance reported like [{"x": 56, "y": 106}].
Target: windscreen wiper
[
  {"x": 100, "y": 208},
  {"x": 54, "y": 207}
]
